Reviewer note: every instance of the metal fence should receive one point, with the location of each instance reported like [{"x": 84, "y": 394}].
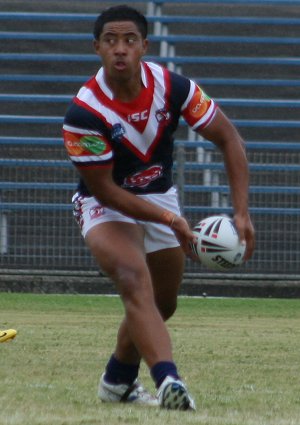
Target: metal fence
[
  {"x": 255, "y": 80},
  {"x": 37, "y": 182}
]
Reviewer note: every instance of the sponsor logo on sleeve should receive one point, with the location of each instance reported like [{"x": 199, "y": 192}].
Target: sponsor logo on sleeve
[
  {"x": 93, "y": 144},
  {"x": 199, "y": 104},
  {"x": 72, "y": 144},
  {"x": 77, "y": 144}
]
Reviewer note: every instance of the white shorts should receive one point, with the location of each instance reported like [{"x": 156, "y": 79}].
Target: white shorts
[{"x": 88, "y": 212}]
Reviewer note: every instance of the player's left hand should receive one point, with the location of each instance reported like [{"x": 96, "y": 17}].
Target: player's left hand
[{"x": 246, "y": 233}]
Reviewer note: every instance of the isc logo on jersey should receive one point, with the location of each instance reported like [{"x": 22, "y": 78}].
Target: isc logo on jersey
[
  {"x": 199, "y": 104},
  {"x": 138, "y": 116},
  {"x": 77, "y": 144}
]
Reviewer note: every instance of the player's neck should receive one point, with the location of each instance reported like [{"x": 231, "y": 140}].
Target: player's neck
[{"x": 126, "y": 90}]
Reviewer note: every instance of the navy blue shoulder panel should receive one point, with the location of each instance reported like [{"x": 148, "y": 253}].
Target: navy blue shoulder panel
[
  {"x": 79, "y": 117},
  {"x": 180, "y": 88}
]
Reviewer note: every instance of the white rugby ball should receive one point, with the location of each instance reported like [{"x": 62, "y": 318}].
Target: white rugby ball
[{"x": 218, "y": 246}]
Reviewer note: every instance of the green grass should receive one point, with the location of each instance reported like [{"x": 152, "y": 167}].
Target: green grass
[{"x": 240, "y": 359}]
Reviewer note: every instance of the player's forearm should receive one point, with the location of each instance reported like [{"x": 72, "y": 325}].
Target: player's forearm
[
  {"x": 101, "y": 185},
  {"x": 115, "y": 197},
  {"x": 133, "y": 206},
  {"x": 238, "y": 178},
  {"x": 223, "y": 133}
]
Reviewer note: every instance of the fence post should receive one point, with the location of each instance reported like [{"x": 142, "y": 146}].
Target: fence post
[
  {"x": 3, "y": 234},
  {"x": 154, "y": 9}
]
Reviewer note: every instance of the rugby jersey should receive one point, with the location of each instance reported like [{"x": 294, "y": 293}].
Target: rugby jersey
[{"x": 135, "y": 137}]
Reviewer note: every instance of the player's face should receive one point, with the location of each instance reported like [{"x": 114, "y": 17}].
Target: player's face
[{"x": 121, "y": 48}]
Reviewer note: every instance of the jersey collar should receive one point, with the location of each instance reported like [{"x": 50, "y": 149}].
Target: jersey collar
[{"x": 100, "y": 78}]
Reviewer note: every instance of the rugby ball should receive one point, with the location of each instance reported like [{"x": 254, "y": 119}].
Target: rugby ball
[{"x": 218, "y": 246}]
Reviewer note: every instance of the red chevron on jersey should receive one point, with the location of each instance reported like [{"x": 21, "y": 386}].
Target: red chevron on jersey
[
  {"x": 143, "y": 119},
  {"x": 135, "y": 112},
  {"x": 135, "y": 138}
]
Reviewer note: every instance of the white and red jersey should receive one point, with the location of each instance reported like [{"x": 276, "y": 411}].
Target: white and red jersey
[{"x": 136, "y": 137}]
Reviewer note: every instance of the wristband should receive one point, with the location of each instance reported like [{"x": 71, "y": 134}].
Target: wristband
[{"x": 168, "y": 218}]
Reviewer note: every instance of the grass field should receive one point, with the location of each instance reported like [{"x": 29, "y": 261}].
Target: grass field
[{"x": 240, "y": 358}]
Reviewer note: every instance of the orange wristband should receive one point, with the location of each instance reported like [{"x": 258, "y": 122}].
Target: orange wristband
[{"x": 168, "y": 218}]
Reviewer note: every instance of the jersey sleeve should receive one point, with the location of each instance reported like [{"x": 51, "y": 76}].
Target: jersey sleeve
[
  {"x": 199, "y": 109},
  {"x": 86, "y": 144}
]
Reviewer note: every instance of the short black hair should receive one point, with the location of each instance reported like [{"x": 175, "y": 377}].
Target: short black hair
[{"x": 121, "y": 13}]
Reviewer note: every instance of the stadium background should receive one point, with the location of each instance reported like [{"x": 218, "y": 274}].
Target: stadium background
[{"x": 246, "y": 56}]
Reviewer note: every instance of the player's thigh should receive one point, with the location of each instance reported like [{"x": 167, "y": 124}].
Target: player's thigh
[
  {"x": 117, "y": 247},
  {"x": 166, "y": 267}
]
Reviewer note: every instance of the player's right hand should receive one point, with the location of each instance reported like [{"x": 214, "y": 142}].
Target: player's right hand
[{"x": 185, "y": 236}]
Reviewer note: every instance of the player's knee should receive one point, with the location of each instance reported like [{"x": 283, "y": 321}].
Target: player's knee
[{"x": 132, "y": 282}]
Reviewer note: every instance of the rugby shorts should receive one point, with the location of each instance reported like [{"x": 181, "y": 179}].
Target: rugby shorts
[{"x": 88, "y": 213}]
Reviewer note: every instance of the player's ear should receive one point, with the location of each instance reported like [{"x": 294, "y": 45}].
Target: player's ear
[
  {"x": 145, "y": 45},
  {"x": 96, "y": 45}
]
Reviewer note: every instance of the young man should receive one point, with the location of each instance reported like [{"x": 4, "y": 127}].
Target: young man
[{"x": 118, "y": 132}]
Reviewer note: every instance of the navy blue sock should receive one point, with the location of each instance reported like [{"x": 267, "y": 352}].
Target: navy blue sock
[
  {"x": 162, "y": 369},
  {"x": 120, "y": 373}
]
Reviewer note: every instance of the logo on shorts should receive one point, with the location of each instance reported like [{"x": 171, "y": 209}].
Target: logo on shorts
[
  {"x": 144, "y": 178},
  {"x": 96, "y": 212}
]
